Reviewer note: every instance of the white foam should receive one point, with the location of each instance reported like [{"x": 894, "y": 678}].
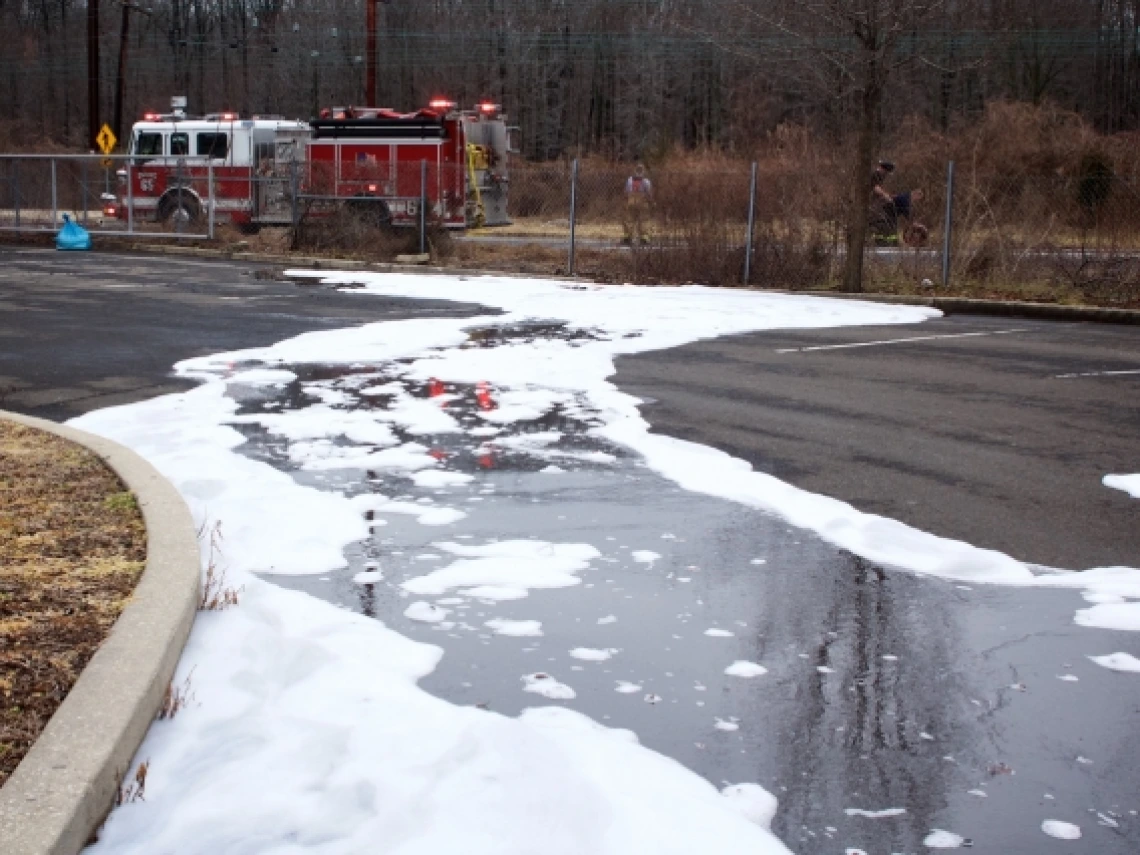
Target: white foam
[
  {"x": 590, "y": 654},
  {"x": 515, "y": 628},
  {"x": 431, "y": 515},
  {"x": 722, "y": 724},
  {"x": 644, "y": 556},
  {"x": 426, "y": 612},
  {"x": 742, "y": 668},
  {"x": 753, "y": 802},
  {"x": 510, "y": 565},
  {"x": 1061, "y": 830},
  {"x": 263, "y": 377},
  {"x": 545, "y": 685},
  {"x": 1111, "y": 616},
  {"x": 440, "y": 478},
  {"x": 1118, "y": 662},
  {"x": 940, "y": 839},
  {"x": 1130, "y": 484},
  {"x": 626, "y": 688},
  {"x": 367, "y": 577},
  {"x": 875, "y": 814},
  {"x": 719, "y": 633}
]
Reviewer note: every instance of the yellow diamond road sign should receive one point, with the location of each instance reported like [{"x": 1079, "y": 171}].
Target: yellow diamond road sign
[{"x": 106, "y": 139}]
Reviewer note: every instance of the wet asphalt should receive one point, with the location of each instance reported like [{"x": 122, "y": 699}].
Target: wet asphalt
[
  {"x": 983, "y": 435},
  {"x": 972, "y": 699},
  {"x": 79, "y": 332}
]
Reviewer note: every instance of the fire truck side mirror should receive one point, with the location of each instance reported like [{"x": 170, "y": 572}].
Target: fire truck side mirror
[{"x": 514, "y": 139}]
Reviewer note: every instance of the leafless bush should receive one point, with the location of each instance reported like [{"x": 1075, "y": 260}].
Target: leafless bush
[{"x": 354, "y": 231}]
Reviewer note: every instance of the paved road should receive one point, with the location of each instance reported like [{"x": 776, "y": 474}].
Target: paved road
[
  {"x": 84, "y": 331},
  {"x": 982, "y": 435}
]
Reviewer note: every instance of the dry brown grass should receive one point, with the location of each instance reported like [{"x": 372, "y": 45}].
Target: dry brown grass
[
  {"x": 216, "y": 595},
  {"x": 72, "y": 546}
]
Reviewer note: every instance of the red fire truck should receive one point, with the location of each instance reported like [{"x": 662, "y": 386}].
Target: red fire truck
[{"x": 269, "y": 171}]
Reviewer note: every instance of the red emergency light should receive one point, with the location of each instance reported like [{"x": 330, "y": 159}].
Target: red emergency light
[
  {"x": 440, "y": 104},
  {"x": 151, "y": 117},
  {"x": 229, "y": 117},
  {"x": 487, "y": 107}
]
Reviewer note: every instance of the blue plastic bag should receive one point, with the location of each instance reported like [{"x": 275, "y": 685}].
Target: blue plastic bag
[{"x": 72, "y": 236}]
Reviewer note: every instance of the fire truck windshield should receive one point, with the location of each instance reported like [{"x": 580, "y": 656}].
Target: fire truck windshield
[{"x": 148, "y": 145}]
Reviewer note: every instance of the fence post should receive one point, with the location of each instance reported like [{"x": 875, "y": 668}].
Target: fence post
[
  {"x": 423, "y": 207},
  {"x": 54, "y": 206},
  {"x": 949, "y": 224},
  {"x": 295, "y": 209},
  {"x": 130, "y": 198},
  {"x": 83, "y": 190},
  {"x": 178, "y": 181},
  {"x": 210, "y": 200},
  {"x": 573, "y": 213},
  {"x": 751, "y": 223},
  {"x": 16, "y": 189}
]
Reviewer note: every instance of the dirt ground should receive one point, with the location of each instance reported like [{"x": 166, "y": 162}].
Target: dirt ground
[{"x": 72, "y": 547}]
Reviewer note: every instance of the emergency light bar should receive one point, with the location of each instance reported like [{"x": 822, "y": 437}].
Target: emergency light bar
[
  {"x": 440, "y": 104},
  {"x": 488, "y": 107}
]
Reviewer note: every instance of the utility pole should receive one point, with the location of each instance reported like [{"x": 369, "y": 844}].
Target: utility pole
[{"x": 93, "y": 123}]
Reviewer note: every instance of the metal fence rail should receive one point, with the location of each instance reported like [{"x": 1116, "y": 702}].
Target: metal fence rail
[{"x": 37, "y": 190}]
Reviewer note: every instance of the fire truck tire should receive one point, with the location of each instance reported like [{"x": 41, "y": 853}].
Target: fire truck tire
[
  {"x": 371, "y": 211},
  {"x": 174, "y": 207}
]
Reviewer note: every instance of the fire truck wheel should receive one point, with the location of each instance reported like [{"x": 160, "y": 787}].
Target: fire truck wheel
[
  {"x": 371, "y": 210},
  {"x": 179, "y": 210}
]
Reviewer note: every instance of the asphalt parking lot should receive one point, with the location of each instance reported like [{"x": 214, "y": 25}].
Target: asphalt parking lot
[{"x": 996, "y": 431}]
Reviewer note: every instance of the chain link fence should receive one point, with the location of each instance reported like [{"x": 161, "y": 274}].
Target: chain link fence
[
  {"x": 36, "y": 191},
  {"x": 1061, "y": 236}
]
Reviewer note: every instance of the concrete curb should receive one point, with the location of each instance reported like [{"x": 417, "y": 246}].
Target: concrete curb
[{"x": 64, "y": 787}]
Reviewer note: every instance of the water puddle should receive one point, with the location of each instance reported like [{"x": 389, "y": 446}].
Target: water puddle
[{"x": 743, "y": 648}]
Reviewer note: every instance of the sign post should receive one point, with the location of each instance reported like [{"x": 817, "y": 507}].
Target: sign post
[{"x": 106, "y": 140}]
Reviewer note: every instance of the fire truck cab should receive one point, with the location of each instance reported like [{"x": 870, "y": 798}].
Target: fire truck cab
[
  {"x": 174, "y": 155},
  {"x": 371, "y": 159}
]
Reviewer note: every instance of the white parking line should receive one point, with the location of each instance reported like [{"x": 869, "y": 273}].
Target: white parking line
[
  {"x": 1097, "y": 374},
  {"x": 897, "y": 341}
]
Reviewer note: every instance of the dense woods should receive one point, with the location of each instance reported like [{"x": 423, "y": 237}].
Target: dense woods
[{"x": 613, "y": 77}]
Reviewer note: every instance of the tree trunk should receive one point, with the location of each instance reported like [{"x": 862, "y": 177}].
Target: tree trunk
[{"x": 861, "y": 181}]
